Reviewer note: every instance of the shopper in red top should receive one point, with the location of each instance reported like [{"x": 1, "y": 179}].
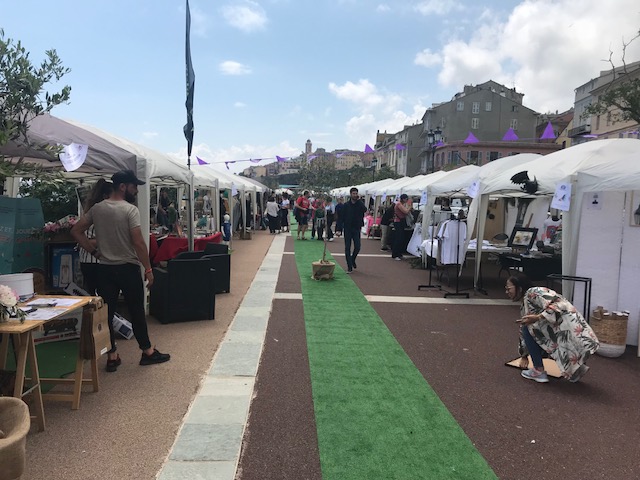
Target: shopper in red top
[
  {"x": 303, "y": 205},
  {"x": 400, "y": 212}
]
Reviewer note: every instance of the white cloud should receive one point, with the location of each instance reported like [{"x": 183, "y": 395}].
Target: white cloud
[
  {"x": 240, "y": 105},
  {"x": 150, "y": 135},
  {"x": 230, "y": 67},
  {"x": 427, "y": 58},
  {"x": 545, "y": 48},
  {"x": 364, "y": 94},
  {"x": 247, "y": 17},
  {"x": 375, "y": 111},
  {"x": 437, "y": 7},
  {"x": 383, "y": 8}
]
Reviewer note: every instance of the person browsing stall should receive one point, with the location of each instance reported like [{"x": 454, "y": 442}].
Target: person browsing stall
[
  {"x": 302, "y": 206},
  {"x": 551, "y": 324},
  {"x": 88, "y": 263},
  {"x": 400, "y": 212},
  {"x": 353, "y": 220},
  {"x": 121, "y": 250}
]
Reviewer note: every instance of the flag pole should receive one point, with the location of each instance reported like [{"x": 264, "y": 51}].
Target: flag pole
[{"x": 188, "y": 128}]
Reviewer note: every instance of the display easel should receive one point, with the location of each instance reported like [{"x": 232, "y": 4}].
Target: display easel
[{"x": 458, "y": 292}]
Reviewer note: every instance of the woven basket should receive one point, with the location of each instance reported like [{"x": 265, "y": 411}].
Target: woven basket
[{"x": 611, "y": 330}]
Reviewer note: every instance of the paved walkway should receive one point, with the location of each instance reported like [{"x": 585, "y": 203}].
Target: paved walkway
[{"x": 209, "y": 442}]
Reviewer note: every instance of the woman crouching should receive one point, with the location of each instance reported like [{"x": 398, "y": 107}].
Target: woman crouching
[{"x": 552, "y": 324}]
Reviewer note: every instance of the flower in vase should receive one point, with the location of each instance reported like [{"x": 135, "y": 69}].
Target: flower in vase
[{"x": 8, "y": 302}]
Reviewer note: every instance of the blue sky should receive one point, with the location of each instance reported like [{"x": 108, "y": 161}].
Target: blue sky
[{"x": 271, "y": 74}]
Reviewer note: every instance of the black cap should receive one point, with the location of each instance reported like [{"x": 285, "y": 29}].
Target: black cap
[{"x": 126, "y": 177}]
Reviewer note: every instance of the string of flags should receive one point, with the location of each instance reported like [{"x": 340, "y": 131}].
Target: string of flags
[{"x": 509, "y": 136}]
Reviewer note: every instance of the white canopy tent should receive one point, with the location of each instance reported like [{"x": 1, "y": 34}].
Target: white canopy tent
[
  {"x": 609, "y": 166},
  {"x": 106, "y": 155}
]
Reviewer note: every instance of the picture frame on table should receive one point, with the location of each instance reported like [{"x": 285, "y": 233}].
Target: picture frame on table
[
  {"x": 634, "y": 211},
  {"x": 522, "y": 237}
]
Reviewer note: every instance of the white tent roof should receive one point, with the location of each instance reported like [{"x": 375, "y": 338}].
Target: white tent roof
[
  {"x": 160, "y": 166},
  {"x": 421, "y": 182},
  {"x": 103, "y": 156},
  {"x": 455, "y": 182},
  {"x": 613, "y": 159}
]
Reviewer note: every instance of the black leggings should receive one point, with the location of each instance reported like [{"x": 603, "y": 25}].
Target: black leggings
[{"x": 128, "y": 279}]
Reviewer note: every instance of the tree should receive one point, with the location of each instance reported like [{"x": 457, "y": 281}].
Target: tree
[
  {"x": 23, "y": 96},
  {"x": 60, "y": 196},
  {"x": 622, "y": 95}
]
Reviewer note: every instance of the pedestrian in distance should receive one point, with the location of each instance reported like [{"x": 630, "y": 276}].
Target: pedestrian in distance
[{"x": 353, "y": 221}]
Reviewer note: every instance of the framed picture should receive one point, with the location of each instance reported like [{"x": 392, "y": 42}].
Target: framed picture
[
  {"x": 522, "y": 237},
  {"x": 634, "y": 211}
]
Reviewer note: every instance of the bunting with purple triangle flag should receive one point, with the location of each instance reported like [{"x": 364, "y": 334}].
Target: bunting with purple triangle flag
[
  {"x": 255, "y": 160},
  {"x": 201, "y": 161},
  {"x": 400, "y": 146},
  {"x": 368, "y": 149},
  {"x": 471, "y": 138},
  {"x": 510, "y": 136},
  {"x": 548, "y": 133},
  {"x": 280, "y": 159}
]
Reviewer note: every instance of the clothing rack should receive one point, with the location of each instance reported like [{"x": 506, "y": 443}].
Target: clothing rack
[
  {"x": 458, "y": 292},
  {"x": 430, "y": 285}
]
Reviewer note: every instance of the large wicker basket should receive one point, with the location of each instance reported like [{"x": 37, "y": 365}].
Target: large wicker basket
[{"x": 611, "y": 330}]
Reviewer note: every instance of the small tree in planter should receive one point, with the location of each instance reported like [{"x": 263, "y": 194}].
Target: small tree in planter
[{"x": 323, "y": 269}]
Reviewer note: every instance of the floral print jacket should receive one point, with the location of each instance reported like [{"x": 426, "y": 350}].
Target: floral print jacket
[{"x": 562, "y": 332}]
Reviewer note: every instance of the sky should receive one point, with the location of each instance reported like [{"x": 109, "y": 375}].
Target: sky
[{"x": 271, "y": 74}]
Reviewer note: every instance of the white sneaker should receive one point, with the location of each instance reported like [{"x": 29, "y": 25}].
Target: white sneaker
[
  {"x": 331, "y": 239},
  {"x": 399, "y": 259}
]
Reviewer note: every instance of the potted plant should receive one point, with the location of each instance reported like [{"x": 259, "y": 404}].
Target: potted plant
[{"x": 323, "y": 269}]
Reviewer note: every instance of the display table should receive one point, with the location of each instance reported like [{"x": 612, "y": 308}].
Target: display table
[
  {"x": 22, "y": 334},
  {"x": 536, "y": 267},
  {"x": 172, "y": 246}
]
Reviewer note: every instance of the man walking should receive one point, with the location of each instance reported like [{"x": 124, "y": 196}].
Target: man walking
[
  {"x": 121, "y": 250},
  {"x": 353, "y": 215}
]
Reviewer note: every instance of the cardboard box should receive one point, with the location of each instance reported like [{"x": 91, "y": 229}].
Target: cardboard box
[
  {"x": 66, "y": 327},
  {"x": 95, "y": 340}
]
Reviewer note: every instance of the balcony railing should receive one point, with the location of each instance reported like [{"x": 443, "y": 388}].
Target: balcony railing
[{"x": 581, "y": 130}]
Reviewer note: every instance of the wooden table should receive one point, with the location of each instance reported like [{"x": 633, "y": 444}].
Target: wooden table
[{"x": 22, "y": 334}]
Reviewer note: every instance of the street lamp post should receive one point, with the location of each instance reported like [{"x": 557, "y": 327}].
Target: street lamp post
[
  {"x": 433, "y": 139},
  {"x": 374, "y": 162}
]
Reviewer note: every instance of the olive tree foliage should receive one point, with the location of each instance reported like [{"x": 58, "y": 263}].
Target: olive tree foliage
[
  {"x": 622, "y": 95},
  {"x": 23, "y": 96}
]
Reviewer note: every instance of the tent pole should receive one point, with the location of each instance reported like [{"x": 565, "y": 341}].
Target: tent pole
[{"x": 190, "y": 212}]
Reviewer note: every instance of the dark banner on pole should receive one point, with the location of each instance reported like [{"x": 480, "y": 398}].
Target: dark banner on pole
[{"x": 191, "y": 81}]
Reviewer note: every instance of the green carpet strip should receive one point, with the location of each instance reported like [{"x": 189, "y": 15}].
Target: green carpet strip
[{"x": 377, "y": 418}]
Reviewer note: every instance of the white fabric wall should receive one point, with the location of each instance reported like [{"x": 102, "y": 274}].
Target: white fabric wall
[{"x": 608, "y": 253}]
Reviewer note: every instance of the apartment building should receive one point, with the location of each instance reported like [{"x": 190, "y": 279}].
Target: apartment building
[{"x": 480, "y": 124}]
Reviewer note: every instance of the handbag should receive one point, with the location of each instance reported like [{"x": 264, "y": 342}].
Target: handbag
[{"x": 409, "y": 220}]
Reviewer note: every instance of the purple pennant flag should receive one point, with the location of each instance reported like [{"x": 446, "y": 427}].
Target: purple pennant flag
[
  {"x": 548, "y": 133},
  {"x": 439, "y": 144},
  {"x": 510, "y": 136},
  {"x": 280, "y": 159},
  {"x": 226, "y": 164},
  {"x": 311, "y": 157},
  {"x": 400, "y": 146},
  {"x": 201, "y": 161},
  {"x": 471, "y": 138},
  {"x": 368, "y": 149},
  {"x": 255, "y": 160}
]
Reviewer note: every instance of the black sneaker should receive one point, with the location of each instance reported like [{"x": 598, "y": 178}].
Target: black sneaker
[
  {"x": 112, "y": 365},
  {"x": 155, "y": 357}
]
